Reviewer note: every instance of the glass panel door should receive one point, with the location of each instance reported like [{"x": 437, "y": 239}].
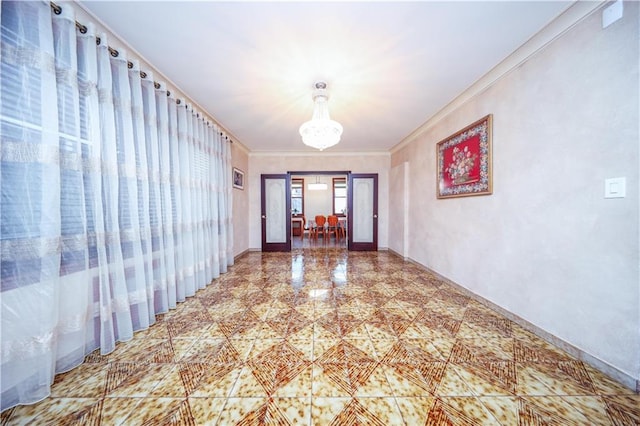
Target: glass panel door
[
  {"x": 363, "y": 212},
  {"x": 275, "y": 212}
]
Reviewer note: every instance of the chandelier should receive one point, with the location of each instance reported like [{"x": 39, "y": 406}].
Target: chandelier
[{"x": 321, "y": 131}]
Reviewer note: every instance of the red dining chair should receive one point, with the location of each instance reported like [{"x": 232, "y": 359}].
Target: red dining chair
[
  {"x": 333, "y": 227},
  {"x": 319, "y": 228}
]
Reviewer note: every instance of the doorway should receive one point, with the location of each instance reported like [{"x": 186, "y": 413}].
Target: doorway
[
  {"x": 289, "y": 201},
  {"x": 316, "y": 194}
]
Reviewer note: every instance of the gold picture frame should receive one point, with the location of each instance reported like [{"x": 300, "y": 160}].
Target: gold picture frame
[{"x": 464, "y": 161}]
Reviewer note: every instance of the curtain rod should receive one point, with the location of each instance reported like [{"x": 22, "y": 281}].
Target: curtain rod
[
  {"x": 83, "y": 30},
  {"x": 114, "y": 52}
]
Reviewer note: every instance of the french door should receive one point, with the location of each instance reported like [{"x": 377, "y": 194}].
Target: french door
[
  {"x": 363, "y": 211},
  {"x": 362, "y": 201},
  {"x": 276, "y": 212}
]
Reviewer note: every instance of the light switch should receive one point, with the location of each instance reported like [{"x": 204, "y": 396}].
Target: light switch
[{"x": 615, "y": 187}]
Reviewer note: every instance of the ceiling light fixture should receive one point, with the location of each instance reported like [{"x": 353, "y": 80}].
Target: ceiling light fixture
[
  {"x": 318, "y": 186},
  {"x": 321, "y": 132}
]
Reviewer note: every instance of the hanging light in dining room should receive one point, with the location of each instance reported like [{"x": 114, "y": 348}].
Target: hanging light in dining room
[
  {"x": 317, "y": 186},
  {"x": 321, "y": 132}
]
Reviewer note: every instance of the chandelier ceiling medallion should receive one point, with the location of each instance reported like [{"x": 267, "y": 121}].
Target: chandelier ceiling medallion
[{"x": 321, "y": 132}]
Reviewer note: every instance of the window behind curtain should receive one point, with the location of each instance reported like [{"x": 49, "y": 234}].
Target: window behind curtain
[{"x": 27, "y": 155}]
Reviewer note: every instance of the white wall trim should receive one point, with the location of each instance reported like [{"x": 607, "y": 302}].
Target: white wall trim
[
  {"x": 556, "y": 28},
  {"x": 242, "y": 148},
  {"x": 240, "y": 255}
]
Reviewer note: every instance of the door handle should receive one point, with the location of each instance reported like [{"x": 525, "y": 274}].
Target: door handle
[
  {"x": 375, "y": 216},
  {"x": 264, "y": 217}
]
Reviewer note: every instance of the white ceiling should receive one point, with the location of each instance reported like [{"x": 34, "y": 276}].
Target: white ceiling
[{"x": 389, "y": 66}]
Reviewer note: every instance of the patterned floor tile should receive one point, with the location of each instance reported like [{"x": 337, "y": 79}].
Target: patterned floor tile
[
  {"x": 116, "y": 410},
  {"x": 605, "y": 385},
  {"x": 503, "y": 409},
  {"x": 410, "y": 381},
  {"x": 85, "y": 381},
  {"x": 206, "y": 411},
  {"x": 242, "y": 409},
  {"x": 382, "y": 347},
  {"x": 375, "y": 384},
  {"x": 220, "y": 351},
  {"x": 329, "y": 337},
  {"x": 58, "y": 411},
  {"x": 248, "y": 385},
  {"x": 134, "y": 379},
  {"x": 277, "y": 366},
  {"x": 442, "y": 413},
  {"x": 304, "y": 346},
  {"x": 324, "y": 410},
  {"x": 209, "y": 381},
  {"x": 567, "y": 378},
  {"x": 161, "y": 412},
  {"x": 298, "y": 386},
  {"x": 172, "y": 385},
  {"x": 323, "y": 385},
  {"x": 415, "y": 410},
  {"x": 243, "y": 347},
  {"x": 623, "y": 409},
  {"x": 297, "y": 411},
  {"x": 490, "y": 378},
  {"x": 374, "y": 411},
  {"x": 565, "y": 410}
]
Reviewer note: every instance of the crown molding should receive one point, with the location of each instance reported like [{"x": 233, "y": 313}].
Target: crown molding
[
  {"x": 241, "y": 147},
  {"x": 571, "y": 16}
]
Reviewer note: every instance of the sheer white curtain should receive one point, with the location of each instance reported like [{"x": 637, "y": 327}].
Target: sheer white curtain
[{"x": 115, "y": 198}]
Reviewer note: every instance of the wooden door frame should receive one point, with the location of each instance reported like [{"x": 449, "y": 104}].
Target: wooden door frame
[
  {"x": 348, "y": 174},
  {"x": 286, "y": 246},
  {"x": 373, "y": 246}
]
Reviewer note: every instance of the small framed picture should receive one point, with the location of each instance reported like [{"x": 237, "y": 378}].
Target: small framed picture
[
  {"x": 464, "y": 161},
  {"x": 238, "y": 178}
]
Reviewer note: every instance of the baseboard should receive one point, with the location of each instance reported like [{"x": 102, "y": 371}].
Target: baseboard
[
  {"x": 600, "y": 365},
  {"x": 406, "y": 259},
  {"x": 240, "y": 255}
]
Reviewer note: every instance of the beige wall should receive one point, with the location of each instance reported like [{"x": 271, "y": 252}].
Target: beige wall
[
  {"x": 240, "y": 160},
  {"x": 547, "y": 246},
  {"x": 399, "y": 209},
  {"x": 284, "y": 162}
]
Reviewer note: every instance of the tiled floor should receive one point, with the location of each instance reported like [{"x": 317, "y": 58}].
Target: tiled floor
[{"x": 325, "y": 337}]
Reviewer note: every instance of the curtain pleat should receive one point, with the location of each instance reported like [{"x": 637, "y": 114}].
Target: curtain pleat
[
  {"x": 176, "y": 198},
  {"x": 115, "y": 198},
  {"x": 215, "y": 188},
  {"x": 142, "y": 176},
  {"x": 162, "y": 116},
  {"x": 187, "y": 226}
]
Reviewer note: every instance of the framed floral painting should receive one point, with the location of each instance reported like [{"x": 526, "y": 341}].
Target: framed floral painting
[{"x": 464, "y": 161}]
